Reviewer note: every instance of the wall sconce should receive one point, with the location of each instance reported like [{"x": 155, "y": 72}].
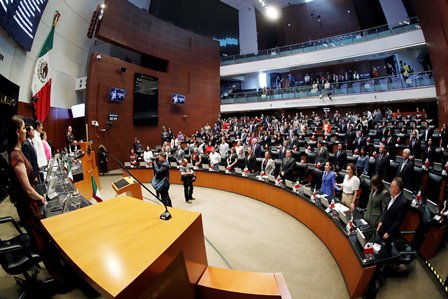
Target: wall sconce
[{"x": 123, "y": 69}]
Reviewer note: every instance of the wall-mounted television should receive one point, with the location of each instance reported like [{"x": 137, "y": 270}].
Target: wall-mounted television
[
  {"x": 117, "y": 95},
  {"x": 177, "y": 99},
  {"x": 21, "y": 18}
]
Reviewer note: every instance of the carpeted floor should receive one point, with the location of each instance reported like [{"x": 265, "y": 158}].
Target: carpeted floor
[{"x": 244, "y": 234}]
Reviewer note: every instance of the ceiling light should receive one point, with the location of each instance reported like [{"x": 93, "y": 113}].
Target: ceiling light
[{"x": 272, "y": 12}]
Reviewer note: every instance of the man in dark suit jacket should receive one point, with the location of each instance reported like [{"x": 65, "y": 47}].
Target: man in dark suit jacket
[
  {"x": 350, "y": 137},
  {"x": 414, "y": 145},
  {"x": 382, "y": 162},
  {"x": 392, "y": 218},
  {"x": 256, "y": 148},
  {"x": 406, "y": 169},
  {"x": 360, "y": 141},
  {"x": 322, "y": 154},
  {"x": 251, "y": 160},
  {"x": 340, "y": 158},
  {"x": 282, "y": 150},
  {"x": 29, "y": 151},
  {"x": 427, "y": 133},
  {"x": 287, "y": 167}
]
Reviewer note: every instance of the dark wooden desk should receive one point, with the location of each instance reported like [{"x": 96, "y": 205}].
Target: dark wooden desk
[{"x": 356, "y": 274}]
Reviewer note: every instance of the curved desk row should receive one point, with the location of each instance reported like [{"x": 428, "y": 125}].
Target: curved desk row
[{"x": 343, "y": 248}]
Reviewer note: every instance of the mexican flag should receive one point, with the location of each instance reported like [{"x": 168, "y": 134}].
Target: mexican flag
[
  {"x": 96, "y": 193},
  {"x": 41, "y": 84},
  {"x": 70, "y": 174}
]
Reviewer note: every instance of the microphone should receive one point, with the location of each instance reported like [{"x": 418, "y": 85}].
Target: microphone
[{"x": 165, "y": 215}]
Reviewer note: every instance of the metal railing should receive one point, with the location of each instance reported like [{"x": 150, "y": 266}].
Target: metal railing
[
  {"x": 326, "y": 43},
  {"x": 370, "y": 85}
]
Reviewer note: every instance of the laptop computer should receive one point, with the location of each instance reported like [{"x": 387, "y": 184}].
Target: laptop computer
[
  {"x": 437, "y": 167},
  {"x": 289, "y": 184},
  {"x": 361, "y": 238},
  {"x": 271, "y": 178},
  {"x": 238, "y": 170},
  {"x": 221, "y": 168},
  {"x": 173, "y": 164},
  {"x": 206, "y": 166},
  {"x": 432, "y": 207}
]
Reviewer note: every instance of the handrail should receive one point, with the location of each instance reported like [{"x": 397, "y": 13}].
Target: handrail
[
  {"x": 328, "y": 42},
  {"x": 369, "y": 85}
]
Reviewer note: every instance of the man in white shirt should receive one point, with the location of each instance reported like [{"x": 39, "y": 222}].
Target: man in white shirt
[
  {"x": 223, "y": 147},
  {"x": 39, "y": 147},
  {"x": 215, "y": 159}
]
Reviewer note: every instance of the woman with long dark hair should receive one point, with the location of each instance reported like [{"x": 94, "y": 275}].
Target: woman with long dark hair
[{"x": 27, "y": 200}]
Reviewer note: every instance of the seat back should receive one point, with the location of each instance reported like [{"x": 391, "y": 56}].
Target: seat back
[
  {"x": 417, "y": 178},
  {"x": 365, "y": 192},
  {"x": 316, "y": 178},
  {"x": 433, "y": 187}
]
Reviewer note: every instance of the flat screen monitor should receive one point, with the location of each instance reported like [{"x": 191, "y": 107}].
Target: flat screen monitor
[
  {"x": 116, "y": 95},
  {"x": 79, "y": 110},
  {"x": 21, "y": 18},
  {"x": 177, "y": 99}
]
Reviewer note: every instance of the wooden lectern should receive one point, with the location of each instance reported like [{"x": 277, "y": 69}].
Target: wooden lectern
[
  {"x": 124, "y": 250},
  {"x": 88, "y": 169},
  {"x": 129, "y": 186}
]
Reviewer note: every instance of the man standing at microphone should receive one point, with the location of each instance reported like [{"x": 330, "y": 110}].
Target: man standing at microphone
[{"x": 162, "y": 171}]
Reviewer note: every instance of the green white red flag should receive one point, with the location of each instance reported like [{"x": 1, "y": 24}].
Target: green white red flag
[
  {"x": 96, "y": 192},
  {"x": 41, "y": 84}
]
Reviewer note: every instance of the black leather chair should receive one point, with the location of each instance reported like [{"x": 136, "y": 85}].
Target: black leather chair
[
  {"x": 301, "y": 171},
  {"x": 316, "y": 178},
  {"x": 417, "y": 178},
  {"x": 433, "y": 187},
  {"x": 365, "y": 192},
  {"x": 18, "y": 257},
  {"x": 311, "y": 158},
  {"x": 392, "y": 172}
]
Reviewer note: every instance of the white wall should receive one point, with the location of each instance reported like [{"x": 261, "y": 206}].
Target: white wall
[
  {"x": 248, "y": 28},
  {"x": 69, "y": 56},
  {"x": 250, "y": 82},
  {"x": 394, "y": 11}
]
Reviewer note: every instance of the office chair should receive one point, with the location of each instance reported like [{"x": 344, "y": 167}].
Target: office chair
[
  {"x": 417, "y": 178},
  {"x": 17, "y": 257},
  {"x": 365, "y": 192},
  {"x": 301, "y": 171},
  {"x": 433, "y": 187}
]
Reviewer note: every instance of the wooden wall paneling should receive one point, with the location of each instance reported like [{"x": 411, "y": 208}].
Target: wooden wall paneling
[
  {"x": 434, "y": 22},
  {"x": 193, "y": 70}
]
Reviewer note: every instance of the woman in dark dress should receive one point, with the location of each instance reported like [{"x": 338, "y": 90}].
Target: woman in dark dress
[{"x": 28, "y": 201}]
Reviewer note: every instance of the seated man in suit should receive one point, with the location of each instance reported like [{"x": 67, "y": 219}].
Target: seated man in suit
[
  {"x": 391, "y": 219},
  {"x": 268, "y": 165},
  {"x": 287, "y": 167},
  {"x": 406, "y": 169}
]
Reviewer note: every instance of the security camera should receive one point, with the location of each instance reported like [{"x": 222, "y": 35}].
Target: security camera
[{"x": 98, "y": 57}]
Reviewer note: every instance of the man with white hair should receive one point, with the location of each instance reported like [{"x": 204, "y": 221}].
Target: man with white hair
[{"x": 406, "y": 169}]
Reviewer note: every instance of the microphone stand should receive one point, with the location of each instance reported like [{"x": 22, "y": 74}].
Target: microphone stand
[{"x": 165, "y": 215}]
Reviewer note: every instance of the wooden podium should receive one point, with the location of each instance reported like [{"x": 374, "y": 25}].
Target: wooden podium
[
  {"x": 129, "y": 186},
  {"x": 88, "y": 169},
  {"x": 124, "y": 250}
]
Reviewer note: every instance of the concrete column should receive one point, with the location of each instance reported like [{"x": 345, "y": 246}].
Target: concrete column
[{"x": 394, "y": 11}]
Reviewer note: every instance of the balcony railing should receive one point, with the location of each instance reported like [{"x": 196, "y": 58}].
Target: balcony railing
[
  {"x": 326, "y": 43},
  {"x": 370, "y": 85}
]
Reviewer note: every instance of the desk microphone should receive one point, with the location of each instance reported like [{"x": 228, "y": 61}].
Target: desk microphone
[{"x": 165, "y": 215}]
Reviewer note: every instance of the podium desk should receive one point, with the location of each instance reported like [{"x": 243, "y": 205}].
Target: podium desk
[
  {"x": 129, "y": 186},
  {"x": 124, "y": 250},
  {"x": 356, "y": 274}
]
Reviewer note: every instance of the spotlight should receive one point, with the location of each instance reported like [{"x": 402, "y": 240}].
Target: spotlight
[
  {"x": 272, "y": 12},
  {"x": 98, "y": 57}
]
